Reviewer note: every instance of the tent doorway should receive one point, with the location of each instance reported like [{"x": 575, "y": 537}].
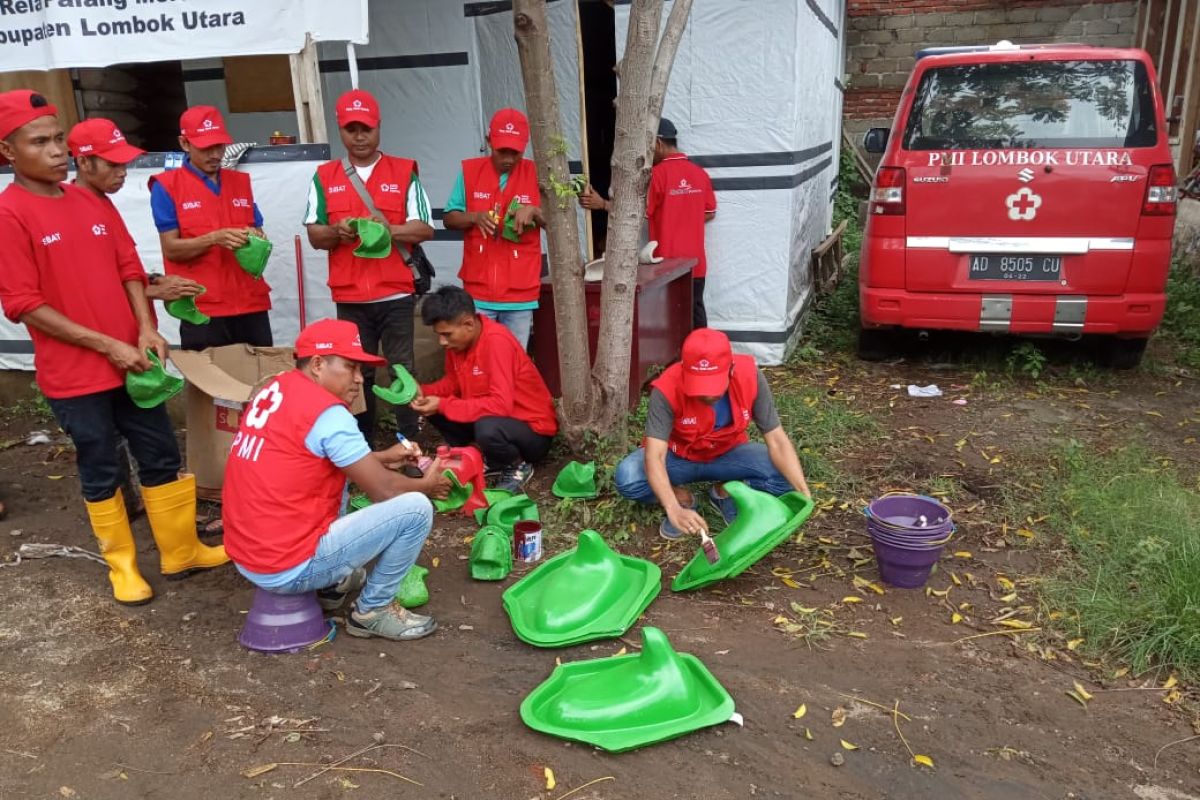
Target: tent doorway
[{"x": 597, "y": 25}]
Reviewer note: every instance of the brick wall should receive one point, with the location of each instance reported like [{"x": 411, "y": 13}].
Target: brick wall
[{"x": 882, "y": 37}]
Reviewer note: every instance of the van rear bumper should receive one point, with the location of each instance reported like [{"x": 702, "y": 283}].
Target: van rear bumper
[{"x": 1065, "y": 315}]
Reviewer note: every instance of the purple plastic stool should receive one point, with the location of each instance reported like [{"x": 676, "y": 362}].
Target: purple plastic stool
[{"x": 284, "y": 623}]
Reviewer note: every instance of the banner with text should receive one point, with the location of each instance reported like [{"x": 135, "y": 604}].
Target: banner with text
[{"x": 54, "y": 34}]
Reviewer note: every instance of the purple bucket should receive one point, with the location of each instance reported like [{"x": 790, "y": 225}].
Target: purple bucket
[
  {"x": 902, "y": 513},
  {"x": 283, "y": 623},
  {"x": 913, "y": 540},
  {"x": 904, "y": 567}
]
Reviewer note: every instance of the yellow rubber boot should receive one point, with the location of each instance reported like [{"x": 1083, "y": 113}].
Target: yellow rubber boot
[
  {"x": 110, "y": 524},
  {"x": 171, "y": 510}
]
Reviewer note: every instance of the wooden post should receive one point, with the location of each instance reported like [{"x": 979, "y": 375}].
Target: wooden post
[{"x": 306, "y": 87}]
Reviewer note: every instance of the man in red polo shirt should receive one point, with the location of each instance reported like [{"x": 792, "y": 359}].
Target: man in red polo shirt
[
  {"x": 376, "y": 294},
  {"x": 700, "y": 408},
  {"x": 203, "y": 214},
  {"x": 285, "y": 485},
  {"x": 79, "y": 287},
  {"x": 492, "y": 395},
  {"x": 679, "y": 204},
  {"x": 502, "y": 274}
]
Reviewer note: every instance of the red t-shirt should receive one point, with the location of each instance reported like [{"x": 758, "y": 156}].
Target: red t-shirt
[
  {"x": 680, "y": 195},
  {"x": 68, "y": 253}
]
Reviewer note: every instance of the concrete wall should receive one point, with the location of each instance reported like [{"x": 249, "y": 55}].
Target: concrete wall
[{"x": 883, "y": 37}]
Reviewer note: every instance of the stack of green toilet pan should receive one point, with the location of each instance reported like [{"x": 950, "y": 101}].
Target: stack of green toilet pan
[
  {"x": 629, "y": 701},
  {"x": 493, "y": 496},
  {"x": 763, "y": 523},
  {"x": 586, "y": 593}
]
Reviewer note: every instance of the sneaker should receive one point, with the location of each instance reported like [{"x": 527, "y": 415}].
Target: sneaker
[
  {"x": 332, "y": 597},
  {"x": 393, "y": 621},
  {"x": 725, "y": 505},
  {"x": 513, "y": 479},
  {"x": 669, "y": 531}
]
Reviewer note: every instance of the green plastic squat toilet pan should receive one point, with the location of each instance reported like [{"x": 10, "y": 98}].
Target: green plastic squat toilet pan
[
  {"x": 184, "y": 308},
  {"x": 459, "y": 493},
  {"x": 493, "y": 496},
  {"x": 763, "y": 523},
  {"x": 253, "y": 255},
  {"x": 358, "y": 503},
  {"x": 625, "y": 702},
  {"x": 403, "y": 389},
  {"x": 413, "y": 592},
  {"x": 491, "y": 555},
  {"x": 576, "y": 480},
  {"x": 374, "y": 239},
  {"x": 153, "y": 387},
  {"x": 586, "y": 593},
  {"x": 510, "y": 511}
]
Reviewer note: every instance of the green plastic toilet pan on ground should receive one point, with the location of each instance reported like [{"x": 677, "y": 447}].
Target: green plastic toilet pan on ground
[
  {"x": 586, "y": 593},
  {"x": 153, "y": 387},
  {"x": 253, "y": 255},
  {"x": 358, "y": 503},
  {"x": 459, "y": 493},
  {"x": 493, "y": 497},
  {"x": 374, "y": 239},
  {"x": 413, "y": 592},
  {"x": 624, "y": 702},
  {"x": 403, "y": 389},
  {"x": 763, "y": 523},
  {"x": 491, "y": 555},
  {"x": 510, "y": 511},
  {"x": 184, "y": 308},
  {"x": 576, "y": 480}
]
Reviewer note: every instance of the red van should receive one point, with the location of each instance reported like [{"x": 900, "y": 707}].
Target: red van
[{"x": 1025, "y": 190}]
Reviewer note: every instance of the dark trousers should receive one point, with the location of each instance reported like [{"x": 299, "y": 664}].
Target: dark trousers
[
  {"x": 389, "y": 322},
  {"x": 95, "y": 421},
  {"x": 699, "y": 314},
  {"x": 252, "y": 329},
  {"x": 504, "y": 441}
]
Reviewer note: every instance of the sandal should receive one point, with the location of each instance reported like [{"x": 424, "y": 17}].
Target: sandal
[{"x": 208, "y": 519}]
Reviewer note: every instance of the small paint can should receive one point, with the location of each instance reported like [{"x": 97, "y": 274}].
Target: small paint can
[{"x": 527, "y": 541}]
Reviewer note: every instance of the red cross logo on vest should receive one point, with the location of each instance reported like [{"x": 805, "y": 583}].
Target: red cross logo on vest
[{"x": 265, "y": 403}]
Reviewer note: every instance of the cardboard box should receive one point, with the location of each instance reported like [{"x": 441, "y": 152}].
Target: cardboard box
[{"x": 220, "y": 381}]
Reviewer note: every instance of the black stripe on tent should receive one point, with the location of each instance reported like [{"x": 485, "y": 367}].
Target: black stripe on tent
[
  {"x": 18, "y": 346},
  {"x": 770, "y": 181},
  {"x": 820, "y": 15},
  {"x": 775, "y": 159},
  {"x": 210, "y": 74},
  {"x": 457, "y": 59},
  {"x": 772, "y": 337},
  {"x": 485, "y": 9}
]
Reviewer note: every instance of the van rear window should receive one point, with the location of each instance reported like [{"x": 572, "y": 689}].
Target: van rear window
[{"x": 1033, "y": 104}]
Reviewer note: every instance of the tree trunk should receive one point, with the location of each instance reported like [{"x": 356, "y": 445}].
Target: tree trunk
[{"x": 562, "y": 232}]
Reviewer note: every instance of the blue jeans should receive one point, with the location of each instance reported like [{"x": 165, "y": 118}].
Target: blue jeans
[
  {"x": 748, "y": 462},
  {"x": 393, "y": 530},
  {"x": 518, "y": 322}
]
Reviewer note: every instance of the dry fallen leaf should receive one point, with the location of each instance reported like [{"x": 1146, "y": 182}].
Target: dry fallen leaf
[
  {"x": 1082, "y": 692},
  {"x": 924, "y": 761},
  {"x": 955, "y": 618},
  {"x": 856, "y": 634},
  {"x": 852, "y": 599},
  {"x": 847, "y": 746},
  {"x": 436, "y": 561},
  {"x": 1071, "y": 693},
  {"x": 800, "y": 712},
  {"x": 1074, "y": 643},
  {"x": 620, "y": 652},
  {"x": 962, "y": 554},
  {"x": 550, "y": 782},
  {"x": 788, "y": 582},
  {"x": 863, "y": 583},
  {"x": 1005, "y": 583},
  {"x": 838, "y": 717},
  {"x": 261, "y": 769},
  {"x": 1018, "y": 624},
  {"x": 1172, "y": 697},
  {"x": 1170, "y": 682}
]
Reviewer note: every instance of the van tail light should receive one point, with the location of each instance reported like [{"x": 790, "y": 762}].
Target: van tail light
[
  {"x": 1161, "y": 192},
  {"x": 887, "y": 196}
]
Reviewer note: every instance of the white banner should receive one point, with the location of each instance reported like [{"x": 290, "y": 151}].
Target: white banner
[{"x": 54, "y": 34}]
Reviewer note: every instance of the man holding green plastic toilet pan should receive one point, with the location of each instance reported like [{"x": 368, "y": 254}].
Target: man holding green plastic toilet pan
[
  {"x": 348, "y": 201},
  {"x": 700, "y": 409},
  {"x": 285, "y": 485},
  {"x": 211, "y": 232},
  {"x": 79, "y": 287}
]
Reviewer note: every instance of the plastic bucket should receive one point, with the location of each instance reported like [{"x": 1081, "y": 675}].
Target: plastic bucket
[
  {"x": 904, "y": 567},
  {"x": 924, "y": 540},
  {"x": 283, "y": 623},
  {"x": 904, "y": 513}
]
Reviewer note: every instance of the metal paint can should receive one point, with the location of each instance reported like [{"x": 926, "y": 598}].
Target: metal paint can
[{"x": 527, "y": 541}]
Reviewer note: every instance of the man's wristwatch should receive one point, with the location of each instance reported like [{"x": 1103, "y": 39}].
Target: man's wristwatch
[{"x": 152, "y": 278}]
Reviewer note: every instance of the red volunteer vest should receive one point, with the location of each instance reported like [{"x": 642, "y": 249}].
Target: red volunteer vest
[
  {"x": 693, "y": 436},
  {"x": 495, "y": 269},
  {"x": 278, "y": 498},
  {"x": 359, "y": 280},
  {"x": 229, "y": 290}
]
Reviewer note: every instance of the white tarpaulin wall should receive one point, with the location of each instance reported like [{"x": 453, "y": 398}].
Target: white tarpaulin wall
[{"x": 755, "y": 94}]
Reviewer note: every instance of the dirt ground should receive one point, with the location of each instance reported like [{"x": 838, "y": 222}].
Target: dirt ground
[{"x": 100, "y": 701}]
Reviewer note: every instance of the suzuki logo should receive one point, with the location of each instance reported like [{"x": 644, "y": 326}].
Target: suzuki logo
[
  {"x": 1025, "y": 175},
  {"x": 1023, "y": 205}
]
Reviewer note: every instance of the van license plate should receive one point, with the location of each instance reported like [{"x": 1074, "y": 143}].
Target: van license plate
[{"x": 1013, "y": 267}]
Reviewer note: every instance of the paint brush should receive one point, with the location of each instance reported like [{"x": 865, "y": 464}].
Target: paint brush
[{"x": 709, "y": 547}]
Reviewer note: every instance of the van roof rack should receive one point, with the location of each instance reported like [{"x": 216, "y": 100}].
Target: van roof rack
[{"x": 1000, "y": 46}]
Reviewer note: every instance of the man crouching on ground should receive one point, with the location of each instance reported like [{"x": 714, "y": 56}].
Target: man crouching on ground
[{"x": 285, "y": 484}]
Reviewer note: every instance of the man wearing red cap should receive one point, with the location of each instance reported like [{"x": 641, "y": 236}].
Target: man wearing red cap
[
  {"x": 285, "y": 484},
  {"x": 376, "y": 294},
  {"x": 203, "y": 214},
  {"x": 700, "y": 408},
  {"x": 79, "y": 287},
  {"x": 496, "y": 202}
]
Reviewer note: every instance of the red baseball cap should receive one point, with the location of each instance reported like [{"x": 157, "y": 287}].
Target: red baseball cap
[
  {"x": 707, "y": 359},
  {"x": 508, "y": 130},
  {"x": 101, "y": 137},
  {"x": 21, "y": 107},
  {"x": 357, "y": 105},
  {"x": 334, "y": 337},
  {"x": 204, "y": 127}
]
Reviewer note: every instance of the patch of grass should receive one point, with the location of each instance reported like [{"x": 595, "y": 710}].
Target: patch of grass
[
  {"x": 1181, "y": 323},
  {"x": 1132, "y": 584},
  {"x": 34, "y": 408}
]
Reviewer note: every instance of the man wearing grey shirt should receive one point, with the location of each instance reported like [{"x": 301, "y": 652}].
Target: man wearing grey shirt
[{"x": 696, "y": 426}]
